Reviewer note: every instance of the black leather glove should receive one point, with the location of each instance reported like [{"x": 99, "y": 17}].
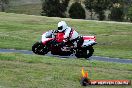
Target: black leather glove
[{"x": 61, "y": 44}]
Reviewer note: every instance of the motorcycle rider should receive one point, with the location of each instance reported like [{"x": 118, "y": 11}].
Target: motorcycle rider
[{"x": 69, "y": 33}]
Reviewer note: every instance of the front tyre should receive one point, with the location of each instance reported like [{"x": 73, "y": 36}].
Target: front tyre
[
  {"x": 39, "y": 48},
  {"x": 84, "y": 52}
]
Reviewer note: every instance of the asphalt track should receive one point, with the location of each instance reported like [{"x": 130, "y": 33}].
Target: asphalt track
[{"x": 97, "y": 58}]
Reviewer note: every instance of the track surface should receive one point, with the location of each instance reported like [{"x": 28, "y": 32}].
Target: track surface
[{"x": 98, "y": 58}]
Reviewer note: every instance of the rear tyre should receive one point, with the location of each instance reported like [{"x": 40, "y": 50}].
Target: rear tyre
[
  {"x": 85, "y": 52},
  {"x": 89, "y": 52},
  {"x": 39, "y": 48}
]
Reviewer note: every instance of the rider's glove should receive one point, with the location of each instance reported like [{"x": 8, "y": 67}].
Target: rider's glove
[{"x": 61, "y": 44}]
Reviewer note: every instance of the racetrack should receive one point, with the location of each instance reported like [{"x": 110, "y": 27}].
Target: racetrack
[{"x": 98, "y": 58}]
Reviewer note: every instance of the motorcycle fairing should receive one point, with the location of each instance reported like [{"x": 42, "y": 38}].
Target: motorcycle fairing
[
  {"x": 46, "y": 38},
  {"x": 88, "y": 40}
]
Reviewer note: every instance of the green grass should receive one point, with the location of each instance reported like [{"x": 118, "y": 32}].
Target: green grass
[
  {"x": 22, "y": 31},
  {"x": 31, "y": 9},
  {"x": 33, "y": 71}
]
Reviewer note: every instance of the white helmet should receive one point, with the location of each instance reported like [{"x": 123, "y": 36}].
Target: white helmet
[{"x": 62, "y": 26}]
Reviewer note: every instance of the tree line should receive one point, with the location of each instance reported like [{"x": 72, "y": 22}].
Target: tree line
[
  {"x": 119, "y": 10},
  {"x": 3, "y": 4}
]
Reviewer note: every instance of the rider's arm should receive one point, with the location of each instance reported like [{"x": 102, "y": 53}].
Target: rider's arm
[
  {"x": 47, "y": 34},
  {"x": 67, "y": 34}
]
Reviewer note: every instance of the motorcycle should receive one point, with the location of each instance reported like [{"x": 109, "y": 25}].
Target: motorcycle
[{"x": 55, "y": 45}]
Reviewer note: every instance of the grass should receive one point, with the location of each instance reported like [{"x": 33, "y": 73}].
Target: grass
[
  {"x": 30, "y": 9},
  {"x": 33, "y": 71},
  {"x": 22, "y": 31}
]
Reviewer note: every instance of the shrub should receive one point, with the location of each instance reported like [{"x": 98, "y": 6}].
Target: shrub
[
  {"x": 54, "y": 8},
  {"x": 117, "y": 14},
  {"x": 101, "y": 15},
  {"x": 76, "y": 11},
  {"x": 130, "y": 13}
]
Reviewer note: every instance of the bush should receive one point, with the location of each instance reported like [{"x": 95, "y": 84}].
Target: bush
[
  {"x": 76, "y": 11},
  {"x": 53, "y": 8},
  {"x": 117, "y": 14},
  {"x": 130, "y": 13},
  {"x": 101, "y": 15}
]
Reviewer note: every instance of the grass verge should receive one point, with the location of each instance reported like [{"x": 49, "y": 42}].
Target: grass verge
[
  {"x": 30, "y": 9},
  {"x": 32, "y": 71}
]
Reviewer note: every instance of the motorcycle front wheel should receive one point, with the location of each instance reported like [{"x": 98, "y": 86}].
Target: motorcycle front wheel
[{"x": 39, "y": 48}]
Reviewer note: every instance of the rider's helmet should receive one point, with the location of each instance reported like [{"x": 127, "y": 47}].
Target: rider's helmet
[{"x": 62, "y": 26}]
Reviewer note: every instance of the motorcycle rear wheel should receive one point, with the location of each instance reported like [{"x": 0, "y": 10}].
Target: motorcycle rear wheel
[{"x": 85, "y": 52}]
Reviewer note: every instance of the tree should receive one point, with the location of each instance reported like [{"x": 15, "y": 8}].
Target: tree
[
  {"x": 3, "y": 4},
  {"x": 130, "y": 13},
  {"x": 89, "y": 5},
  {"x": 117, "y": 14},
  {"x": 100, "y": 6},
  {"x": 97, "y": 6},
  {"x": 76, "y": 11},
  {"x": 117, "y": 10},
  {"x": 128, "y": 2},
  {"x": 54, "y": 8},
  {"x": 101, "y": 15}
]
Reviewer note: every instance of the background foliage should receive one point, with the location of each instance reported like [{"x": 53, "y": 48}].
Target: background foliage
[
  {"x": 77, "y": 11},
  {"x": 130, "y": 13},
  {"x": 54, "y": 8},
  {"x": 95, "y": 9}
]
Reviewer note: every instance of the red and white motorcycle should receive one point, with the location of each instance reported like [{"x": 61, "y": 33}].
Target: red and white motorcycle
[{"x": 56, "y": 47}]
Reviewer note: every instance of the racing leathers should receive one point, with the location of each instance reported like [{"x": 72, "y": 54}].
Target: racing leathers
[{"x": 70, "y": 35}]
